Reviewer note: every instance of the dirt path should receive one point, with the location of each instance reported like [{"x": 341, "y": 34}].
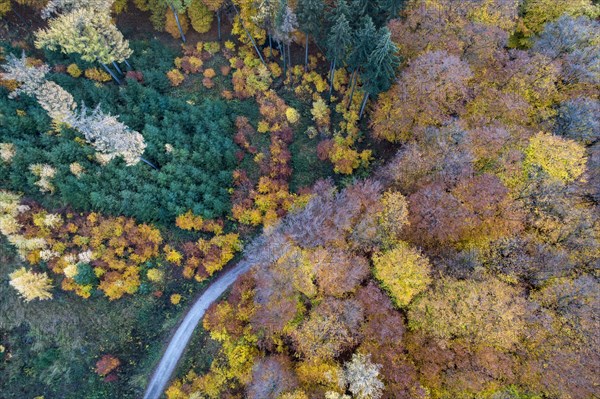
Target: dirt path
[{"x": 180, "y": 339}]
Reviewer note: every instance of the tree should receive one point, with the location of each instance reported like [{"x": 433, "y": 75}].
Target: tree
[
  {"x": 106, "y": 365},
  {"x": 310, "y": 19},
  {"x": 576, "y": 42},
  {"x": 538, "y": 12},
  {"x": 31, "y": 285},
  {"x": 332, "y": 328},
  {"x": 286, "y": 24},
  {"x": 362, "y": 377},
  {"x": 403, "y": 272},
  {"x": 381, "y": 67},
  {"x": 179, "y": 7},
  {"x": 390, "y": 8},
  {"x": 108, "y": 135},
  {"x": 339, "y": 40},
  {"x": 66, "y": 6},
  {"x": 57, "y": 102},
  {"x": 560, "y": 159},
  {"x": 215, "y": 6},
  {"x": 88, "y": 33},
  {"x": 433, "y": 88},
  {"x": 200, "y": 15},
  {"x": 365, "y": 42},
  {"x": 474, "y": 313},
  {"x": 577, "y": 119},
  {"x": 5, "y": 8},
  {"x": 271, "y": 376},
  {"x": 176, "y": 27},
  {"x": 30, "y": 78}
]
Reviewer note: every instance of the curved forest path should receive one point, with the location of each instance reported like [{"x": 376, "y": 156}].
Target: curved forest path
[{"x": 182, "y": 335}]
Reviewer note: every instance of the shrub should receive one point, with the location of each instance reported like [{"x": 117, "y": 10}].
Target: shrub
[
  {"x": 97, "y": 75},
  {"x": 212, "y": 47},
  {"x": 209, "y": 73},
  {"x": 175, "y": 77},
  {"x": 292, "y": 115},
  {"x": 74, "y": 70}
]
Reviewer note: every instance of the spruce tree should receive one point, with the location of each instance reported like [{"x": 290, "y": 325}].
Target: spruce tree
[
  {"x": 380, "y": 70},
  {"x": 365, "y": 41},
  {"x": 310, "y": 18},
  {"x": 339, "y": 41}
]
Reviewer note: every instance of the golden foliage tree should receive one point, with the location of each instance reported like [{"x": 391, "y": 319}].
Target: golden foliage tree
[{"x": 31, "y": 285}]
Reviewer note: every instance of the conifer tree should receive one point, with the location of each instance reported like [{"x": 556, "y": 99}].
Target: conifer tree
[
  {"x": 310, "y": 18},
  {"x": 339, "y": 41},
  {"x": 365, "y": 41},
  {"x": 381, "y": 67}
]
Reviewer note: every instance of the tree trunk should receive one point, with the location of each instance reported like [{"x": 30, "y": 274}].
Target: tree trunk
[
  {"x": 128, "y": 65},
  {"x": 176, "y": 14},
  {"x": 149, "y": 163},
  {"x": 353, "y": 81},
  {"x": 306, "y": 55},
  {"x": 282, "y": 51},
  {"x": 111, "y": 73},
  {"x": 117, "y": 68},
  {"x": 331, "y": 77},
  {"x": 249, "y": 36},
  {"x": 270, "y": 47},
  {"x": 289, "y": 55},
  {"x": 362, "y": 107}
]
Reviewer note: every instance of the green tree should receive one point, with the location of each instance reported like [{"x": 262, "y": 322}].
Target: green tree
[
  {"x": 310, "y": 19},
  {"x": 380, "y": 70},
  {"x": 365, "y": 42},
  {"x": 339, "y": 41}
]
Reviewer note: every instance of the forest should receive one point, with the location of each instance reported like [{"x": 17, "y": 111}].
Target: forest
[{"x": 414, "y": 186}]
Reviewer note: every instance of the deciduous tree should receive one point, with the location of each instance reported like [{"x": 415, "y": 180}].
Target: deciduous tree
[{"x": 31, "y": 285}]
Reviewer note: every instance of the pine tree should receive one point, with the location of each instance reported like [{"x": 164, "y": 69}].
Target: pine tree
[
  {"x": 310, "y": 18},
  {"x": 365, "y": 41},
  {"x": 381, "y": 67},
  {"x": 339, "y": 41},
  {"x": 389, "y": 9},
  {"x": 31, "y": 285}
]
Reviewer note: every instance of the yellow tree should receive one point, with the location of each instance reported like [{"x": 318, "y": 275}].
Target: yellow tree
[
  {"x": 403, "y": 272},
  {"x": 31, "y": 285}
]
